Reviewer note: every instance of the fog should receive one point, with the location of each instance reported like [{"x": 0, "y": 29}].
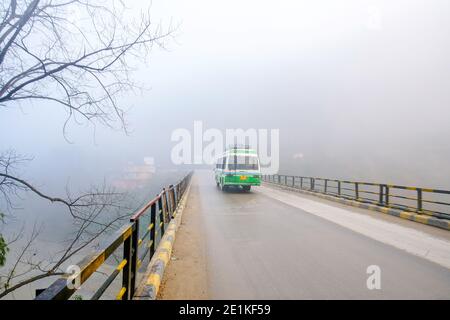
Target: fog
[{"x": 358, "y": 89}]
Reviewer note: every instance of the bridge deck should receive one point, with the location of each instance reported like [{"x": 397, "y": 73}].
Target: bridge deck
[{"x": 276, "y": 244}]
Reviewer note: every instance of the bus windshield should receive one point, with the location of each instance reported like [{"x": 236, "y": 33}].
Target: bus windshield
[{"x": 242, "y": 163}]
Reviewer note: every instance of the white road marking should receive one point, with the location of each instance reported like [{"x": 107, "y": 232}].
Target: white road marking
[{"x": 413, "y": 241}]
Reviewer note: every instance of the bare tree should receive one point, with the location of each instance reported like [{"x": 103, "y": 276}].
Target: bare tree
[
  {"x": 74, "y": 54},
  {"x": 95, "y": 212}
]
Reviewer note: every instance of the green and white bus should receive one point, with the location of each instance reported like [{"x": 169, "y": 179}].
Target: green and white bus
[{"x": 238, "y": 167}]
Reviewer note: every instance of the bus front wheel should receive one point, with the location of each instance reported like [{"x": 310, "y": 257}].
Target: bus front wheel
[{"x": 246, "y": 188}]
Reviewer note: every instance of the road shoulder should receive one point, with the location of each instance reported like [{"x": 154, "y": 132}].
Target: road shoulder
[{"x": 186, "y": 273}]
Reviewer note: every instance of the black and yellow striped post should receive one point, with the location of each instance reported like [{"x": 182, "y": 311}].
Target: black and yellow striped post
[
  {"x": 173, "y": 200},
  {"x": 419, "y": 199},
  {"x": 380, "y": 196},
  {"x": 152, "y": 230},
  {"x": 161, "y": 214},
  {"x": 133, "y": 258},
  {"x": 386, "y": 195},
  {"x": 126, "y": 273}
]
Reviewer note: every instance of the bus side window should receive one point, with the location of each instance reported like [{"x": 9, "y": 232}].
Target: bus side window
[{"x": 219, "y": 164}]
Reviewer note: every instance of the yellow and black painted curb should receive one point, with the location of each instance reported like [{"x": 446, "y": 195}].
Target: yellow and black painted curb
[
  {"x": 149, "y": 286},
  {"x": 412, "y": 216}
]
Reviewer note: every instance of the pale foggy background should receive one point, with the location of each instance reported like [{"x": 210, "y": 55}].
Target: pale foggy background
[{"x": 359, "y": 90}]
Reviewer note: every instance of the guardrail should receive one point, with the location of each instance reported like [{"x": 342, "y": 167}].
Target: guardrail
[
  {"x": 431, "y": 202},
  {"x": 160, "y": 210}
]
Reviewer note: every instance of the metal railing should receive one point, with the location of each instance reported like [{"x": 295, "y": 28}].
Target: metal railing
[
  {"x": 427, "y": 201},
  {"x": 136, "y": 248}
]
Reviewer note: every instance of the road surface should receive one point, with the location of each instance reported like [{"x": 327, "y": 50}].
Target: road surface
[{"x": 276, "y": 244}]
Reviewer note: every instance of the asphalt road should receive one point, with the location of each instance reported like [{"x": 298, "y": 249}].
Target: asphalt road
[{"x": 261, "y": 246}]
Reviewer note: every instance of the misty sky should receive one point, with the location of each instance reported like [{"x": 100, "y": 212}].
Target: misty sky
[{"x": 361, "y": 89}]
